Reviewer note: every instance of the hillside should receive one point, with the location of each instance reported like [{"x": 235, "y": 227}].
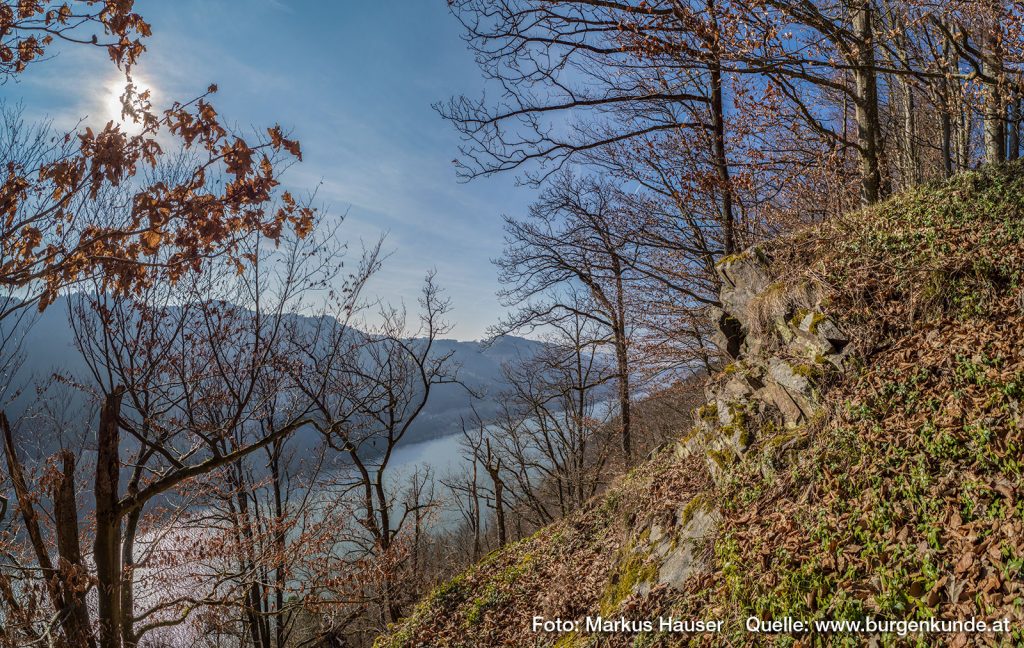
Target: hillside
[{"x": 860, "y": 458}]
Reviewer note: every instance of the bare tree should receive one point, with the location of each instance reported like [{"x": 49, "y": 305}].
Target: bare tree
[
  {"x": 367, "y": 388},
  {"x": 473, "y": 492},
  {"x": 616, "y": 73},
  {"x": 552, "y": 436},
  {"x": 572, "y": 260}
]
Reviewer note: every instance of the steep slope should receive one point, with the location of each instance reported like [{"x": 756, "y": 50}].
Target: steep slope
[{"x": 860, "y": 459}]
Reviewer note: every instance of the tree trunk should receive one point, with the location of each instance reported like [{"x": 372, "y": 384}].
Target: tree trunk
[
  {"x": 280, "y": 544},
  {"x": 911, "y": 163},
  {"x": 392, "y": 606},
  {"x": 494, "y": 470},
  {"x": 963, "y": 139},
  {"x": 866, "y": 104},
  {"x": 721, "y": 160},
  {"x": 960, "y": 114},
  {"x": 474, "y": 507},
  {"x": 499, "y": 512},
  {"x": 947, "y": 144},
  {"x": 1013, "y": 131},
  {"x": 242, "y": 527},
  {"x": 995, "y": 105},
  {"x": 107, "y": 546},
  {"x": 51, "y": 577},
  {"x": 622, "y": 367},
  {"x": 944, "y": 92},
  {"x": 131, "y": 525},
  {"x": 72, "y": 572}
]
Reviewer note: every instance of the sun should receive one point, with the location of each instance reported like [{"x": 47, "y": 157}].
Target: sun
[{"x": 110, "y": 99}]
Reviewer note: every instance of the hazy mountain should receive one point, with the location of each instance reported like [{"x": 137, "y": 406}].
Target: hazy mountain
[{"x": 47, "y": 346}]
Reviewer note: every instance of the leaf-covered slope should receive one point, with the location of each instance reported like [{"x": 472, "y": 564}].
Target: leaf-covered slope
[
  {"x": 904, "y": 502},
  {"x": 566, "y": 570}
]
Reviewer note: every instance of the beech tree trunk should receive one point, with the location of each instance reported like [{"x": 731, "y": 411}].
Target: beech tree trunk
[
  {"x": 131, "y": 525},
  {"x": 70, "y": 569},
  {"x": 995, "y": 104},
  {"x": 721, "y": 159},
  {"x": 621, "y": 341},
  {"x": 866, "y": 104},
  {"x": 494, "y": 471},
  {"x": 909, "y": 128},
  {"x": 67, "y": 603},
  {"x": 911, "y": 159},
  {"x": 622, "y": 367},
  {"x": 474, "y": 504},
  {"x": 1013, "y": 131},
  {"x": 499, "y": 512},
  {"x": 946, "y": 124},
  {"x": 280, "y": 545}
]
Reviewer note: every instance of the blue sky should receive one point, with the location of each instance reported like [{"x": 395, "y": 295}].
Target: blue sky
[{"x": 354, "y": 81}]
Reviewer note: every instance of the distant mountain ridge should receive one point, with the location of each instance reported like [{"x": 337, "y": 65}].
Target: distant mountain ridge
[{"x": 47, "y": 347}]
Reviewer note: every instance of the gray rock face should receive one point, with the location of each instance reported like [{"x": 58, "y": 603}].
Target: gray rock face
[
  {"x": 679, "y": 549},
  {"x": 777, "y": 396},
  {"x": 783, "y": 347},
  {"x": 785, "y": 374},
  {"x": 683, "y": 560},
  {"x": 743, "y": 276}
]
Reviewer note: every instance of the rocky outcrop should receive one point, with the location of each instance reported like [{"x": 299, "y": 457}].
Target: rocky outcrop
[{"x": 783, "y": 348}]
